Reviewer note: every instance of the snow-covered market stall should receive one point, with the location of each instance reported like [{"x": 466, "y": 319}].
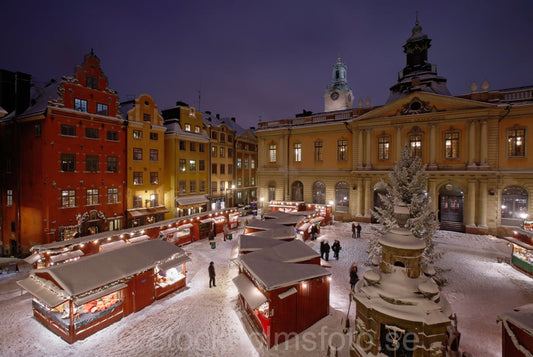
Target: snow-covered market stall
[
  {"x": 77, "y": 299},
  {"x": 522, "y": 253},
  {"x": 283, "y": 289},
  {"x": 517, "y": 331}
]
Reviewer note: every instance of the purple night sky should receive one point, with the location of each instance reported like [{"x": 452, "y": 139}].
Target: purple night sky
[{"x": 266, "y": 60}]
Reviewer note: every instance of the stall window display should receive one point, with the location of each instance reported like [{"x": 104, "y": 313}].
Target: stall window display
[
  {"x": 168, "y": 277},
  {"x": 263, "y": 314}
]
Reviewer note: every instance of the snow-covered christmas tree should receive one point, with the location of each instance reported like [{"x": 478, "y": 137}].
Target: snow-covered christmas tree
[{"x": 407, "y": 186}]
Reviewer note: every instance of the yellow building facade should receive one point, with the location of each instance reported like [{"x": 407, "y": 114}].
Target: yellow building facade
[{"x": 145, "y": 162}]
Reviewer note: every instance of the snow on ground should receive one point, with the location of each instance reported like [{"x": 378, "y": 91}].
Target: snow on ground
[{"x": 199, "y": 321}]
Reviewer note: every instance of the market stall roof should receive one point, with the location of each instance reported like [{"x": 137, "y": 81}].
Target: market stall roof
[
  {"x": 277, "y": 266},
  {"x": 191, "y": 200},
  {"x": 264, "y": 225},
  {"x": 521, "y": 316},
  {"x": 249, "y": 291},
  {"x": 519, "y": 243},
  {"x": 107, "y": 267},
  {"x": 251, "y": 243},
  {"x": 139, "y": 238},
  {"x": 282, "y": 232},
  {"x": 44, "y": 290},
  {"x": 286, "y": 218},
  {"x": 67, "y": 255},
  {"x": 106, "y": 247}
]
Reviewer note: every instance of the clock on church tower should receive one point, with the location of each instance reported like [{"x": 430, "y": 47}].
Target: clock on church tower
[{"x": 338, "y": 95}]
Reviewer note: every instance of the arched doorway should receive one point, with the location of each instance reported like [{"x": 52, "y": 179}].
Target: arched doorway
[
  {"x": 297, "y": 191},
  {"x": 451, "y": 202},
  {"x": 379, "y": 188},
  {"x": 514, "y": 205},
  {"x": 319, "y": 192}
]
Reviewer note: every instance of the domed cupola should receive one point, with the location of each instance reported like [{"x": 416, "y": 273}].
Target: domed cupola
[{"x": 338, "y": 95}]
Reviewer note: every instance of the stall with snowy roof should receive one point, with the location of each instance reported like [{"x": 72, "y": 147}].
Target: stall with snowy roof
[
  {"x": 77, "y": 299},
  {"x": 256, "y": 225},
  {"x": 283, "y": 289},
  {"x": 522, "y": 249},
  {"x": 517, "y": 331},
  {"x": 399, "y": 308},
  {"x": 179, "y": 235}
]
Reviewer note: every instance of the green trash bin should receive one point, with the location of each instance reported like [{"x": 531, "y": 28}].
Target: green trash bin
[
  {"x": 230, "y": 236},
  {"x": 213, "y": 245}
]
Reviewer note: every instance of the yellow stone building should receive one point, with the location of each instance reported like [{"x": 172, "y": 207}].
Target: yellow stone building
[
  {"x": 475, "y": 147},
  {"x": 145, "y": 161},
  {"x": 186, "y": 161}
]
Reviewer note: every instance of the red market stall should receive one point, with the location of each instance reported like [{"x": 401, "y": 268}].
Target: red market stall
[
  {"x": 517, "y": 331},
  {"x": 77, "y": 299},
  {"x": 179, "y": 235},
  {"x": 233, "y": 220}
]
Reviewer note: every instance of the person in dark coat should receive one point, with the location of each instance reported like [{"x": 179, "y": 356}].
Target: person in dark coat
[
  {"x": 212, "y": 274},
  {"x": 211, "y": 235},
  {"x": 358, "y": 230},
  {"x": 353, "y": 230},
  {"x": 354, "y": 278},
  {"x": 336, "y": 247},
  {"x": 326, "y": 250},
  {"x": 322, "y": 249}
]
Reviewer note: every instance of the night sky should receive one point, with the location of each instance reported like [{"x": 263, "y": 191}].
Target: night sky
[{"x": 265, "y": 60}]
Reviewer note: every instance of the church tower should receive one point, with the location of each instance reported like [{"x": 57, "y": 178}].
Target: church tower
[{"x": 338, "y": 95}]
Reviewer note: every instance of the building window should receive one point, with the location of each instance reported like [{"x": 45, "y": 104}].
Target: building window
[
  {"x": 183, "y": 165},
  {"x": 80, "y": 105},
  {"x": 101, "y": 109},
  {"x": 515, "y": 203},
  {"x": 297, "y": 148},
  {"x": 245, "y": 181},
  {"x": 239, "y": 182},
  {"x": 154, "y": 136},
  {"x": 342, "y": 150},
  {"x": 91, "y": 82},
  {"x": 222, "y": 137},
  {"x": 187, "y": 127},
  {"x": 201, "y": 186},
  {"x": 91, "y": 163},
  {"x": 252, "y": 181},
  {"x": 154, "y": 178},
  {"x": 112, "y": 135},
  {"x": 230, "y": 153},
  {"x": 201, "y": 147},
  {"x": 213, "y": 186},
  {"x": 239, "y": 163},
  {"x": 68, "y": 162},
  {"x": 183, "y": 145},
  {"x": 222, "y": 169},
  {"x": 137, "y": 178},
  {"x": 214, "y": 150},
  {"x": 222, "y": 186},
  {"x": 137, "y": 154},
  {"x": 230, "y": 169},
  {"x": 451, "y": 144},
  {"x": 91, "y": 133},
  {"x": 214, "y": 135},
  {"x": 342, "y": 197},
  {"x": 92, "y": 196},
  {"x": 192, "y": 146},
  {"x": 137, "y": 201},
  {"x": 68, "y": 130},
  {"x": 112, "y": 164},
  {"x": 196, "y": 128},
  {"x": 245, "y": 163},
  {"x": 192, "y": 165},
  {"x": 112, "y": 195},
  {"x": 214, "y": 169},
  {"x": 154, "y": 155},
  {"x": 252, "y": 164},
  {"x": 384, "y": 147},
  {"x": 147, "y": 117},
  {"x": 319, "y": 192},
  {"x": 9, "y": 198},
  {"x": 319, "y": 150},
  {"x": 153, "y": 201},
  {"x": 68, "y": 198},
  {"x": 137, "y": 134},
  {"x": 516, "y": 140},
  {"x": 230, "y": 138},
  {"x": 222, "y": 152},
  {"x": 201, "y": 165},
  {"x": 415, "y": 143},
  {"x": 182, "y": 187},
  {"x": 37, "y": 130},
  {"x": 272, "y": 153},
  {"x": 192, "y": 186}
]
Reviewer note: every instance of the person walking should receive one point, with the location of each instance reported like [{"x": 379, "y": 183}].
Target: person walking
[
  {"x": 358, "y": 230},
  {"x": 326, "y": 250},
  {"x": 322, "y": 249},
  {"x": 353, "y": 230},
  {"x": 226, "y": 232},
  {"x": 212, "y": 274},
  {"x": 354, "y": 278},
  {"x": 336, "y": 247},
  {"x": 211, "y": 235}
]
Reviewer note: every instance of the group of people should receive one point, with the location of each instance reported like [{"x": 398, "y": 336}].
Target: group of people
[
  {"x": 356, "y": 230},
  {"x": 325, "y": 248}
]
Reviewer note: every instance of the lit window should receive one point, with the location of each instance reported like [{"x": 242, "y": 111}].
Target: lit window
[
  {"x": 68, "y": 198},
  {"x": 68, "y": 162},
  {"x": 137, "y": 178},
  {"x": 154, "y": 178},
  {"x": 137, "y": 134},
  {"x": 192, "y": 165},
  {"x": 112, "y": 195},
  {"x": 342, "y": 150},
  {"x": 187, "y": 127},
  {"x": 92, "y": 196},
  {"x": 80, "y": 105},
  {"x": 384, "y": 147},
  {"x": 183, "y": 165},
  {"x": 415, "y": 143},
  {"x": 451, "y": 144},
  {"x": 516, "y": 140},
  {"x": 297, "y": 152},
  {"x": 9, "y": 198},
  {"x": 272, "y": 153}
]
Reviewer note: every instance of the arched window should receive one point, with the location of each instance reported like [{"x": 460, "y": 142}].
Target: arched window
[
  {"x": 319, "y": 192},
  {"x": 342, "y": 197},
  {"x": 514, "y": 203},
  {"x": 297, "y": 192}
]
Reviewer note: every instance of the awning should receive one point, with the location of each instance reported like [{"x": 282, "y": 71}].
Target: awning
[
  {"x": 141, "y": 212},
  {"x": 113, "y": 245},
  {"x": 249, "y": 291},
  {"x": 99, "y": 294},
  {"x": 303, "y": 227},
  {"x": 289, "y": 292},
  {"x": 174, "y": 262},
  {"x": 519, "y": 243},
  {"x": 316, "y": 219},
  {"x": 191, "y": 200},
  {"x": 207, "y": 220},
  {"x": 157, "y": 210},
  {"x": 186, "y": 225},
  {"x": 42, "y": 291},
  {"x": 67, "y": 255},
  {"x": 138, "y": 239},
  {"x": 133, "y": 213},
  {"x": 168, "y": 231},
  {"x": 32, "y": 258}
]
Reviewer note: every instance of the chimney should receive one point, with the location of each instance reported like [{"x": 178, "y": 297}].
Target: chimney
[
  {"x": 14, "y": 91},
  {"x": 233, "y": 119},
  {"x": 218, "y": 116}
]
